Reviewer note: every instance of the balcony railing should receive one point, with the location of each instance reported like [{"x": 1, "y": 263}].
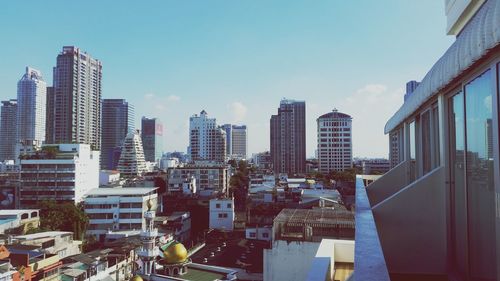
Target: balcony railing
[{"x": 369, "y": 260}]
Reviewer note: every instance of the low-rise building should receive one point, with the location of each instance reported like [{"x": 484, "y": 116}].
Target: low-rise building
[
  {"x": 221, "y": 214},
  {"x": 120, "y": 208},
  {"x": 19, "y": 221},
  {"x": 300, "y": 240},
  {"x": 177, "y": 223},
  {"x": 263, "y": 233},
  {"x": 107, "y": 177},
  {"x": 59, "y": 243},
  {"x": 211, "y": 178}
]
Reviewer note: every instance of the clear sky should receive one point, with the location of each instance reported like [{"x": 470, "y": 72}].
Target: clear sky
[{"x": 237, "y": 59}]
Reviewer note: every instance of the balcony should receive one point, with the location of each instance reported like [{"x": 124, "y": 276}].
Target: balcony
[{"x": 401, "y": 227}]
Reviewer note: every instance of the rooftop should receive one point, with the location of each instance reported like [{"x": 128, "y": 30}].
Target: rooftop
[
  {"x": 120, "y": 191},
  {"x": 43, "y": 235},
  {"x": 16, "y": 212}
]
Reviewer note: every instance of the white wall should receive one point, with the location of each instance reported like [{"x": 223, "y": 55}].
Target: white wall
[
  {"x": 261, "y": 233},
  {"x": 289, "y": 260},
  {"x": 222, "y": 214}
]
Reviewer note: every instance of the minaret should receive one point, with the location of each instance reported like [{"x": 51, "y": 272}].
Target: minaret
[{"x": 149, "y": 251}]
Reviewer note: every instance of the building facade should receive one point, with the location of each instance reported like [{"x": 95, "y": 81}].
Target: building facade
[
  {"x": 288, "y": 138},
  {"x": 221, "y": 214},
  {"x": 8, "y": 130},
  {"x": 132, "y": 162},
  {"x": 117, "y": 121},
  {"x": 210, "y": 178},
  {"x": 63, "y": 173},
  {"x": 152, "y": 139},
  {"x": 443, "y": 196},
  {"x": 118, "y": 209},
  {"x": 236, "y": 141},
  {"x": 207, "y": 141},
  {"x": 76, "y": 112},
  {"x": 31, "y": 107},
  {"x": 334, "y": 142}
]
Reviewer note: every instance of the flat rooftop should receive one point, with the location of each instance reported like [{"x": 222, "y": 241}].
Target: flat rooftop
[
  {"x": 118, "y": 191},
  {"x": 16, "y": 212},
  {"x": 195, "y": 274},
  {"x": 46, "y": 234}
]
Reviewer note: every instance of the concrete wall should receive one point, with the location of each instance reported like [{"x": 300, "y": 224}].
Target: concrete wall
[
  {"x": 289, "y": 260},
  {"x": 412, "y": 226},
  {"x": 387, "y": 185}
]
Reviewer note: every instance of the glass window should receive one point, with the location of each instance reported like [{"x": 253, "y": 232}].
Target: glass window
[
  {"x": 479, "y": 175},
  {"x": 435, "y": 136},
  {"x": 457, "y": 185},
  {"x": 413, "y": 151},
  {"x": 425, "y": 121}
]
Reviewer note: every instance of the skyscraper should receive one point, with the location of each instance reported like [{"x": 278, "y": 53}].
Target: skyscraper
[
  {"x": 117, "y": 121},
  {"x": 152, "y": 139},
  {"x": 334, "y": 142},
  {"x": 31, "y": 108},
  {"x": 8, "y": 130},
  {"x": 288, "y": 137},
  {"x": 239, "y": 142},
  {"x": 77, "y": 98},
  {"x": 49, "y": 116},
  {"x": 236, "y": 141},
  {"x": 206, "y": 140}
]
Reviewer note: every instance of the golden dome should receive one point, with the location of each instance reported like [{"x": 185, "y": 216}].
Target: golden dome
[
  {"x": 136, "y": 278},
  {"x": 174, "y": 252}
]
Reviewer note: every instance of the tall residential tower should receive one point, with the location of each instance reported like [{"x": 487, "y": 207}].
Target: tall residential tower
[
  {"x": 8, "y": 130},
  {"x": 334, "y": 142},
  {"x": 77, "y": 99},
  {"x": 31, "y": 106},
  {"x": 207, "y": 141},
  {"x": 288, "y": 138}
]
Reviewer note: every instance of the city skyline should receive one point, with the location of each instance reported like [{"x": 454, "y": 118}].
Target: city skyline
[{"x": 218, "y": 58}]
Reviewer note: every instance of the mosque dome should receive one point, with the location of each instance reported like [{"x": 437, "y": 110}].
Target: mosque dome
[
  {"x": 136, "y": 278},
  {"x": 174, "y": 252}
]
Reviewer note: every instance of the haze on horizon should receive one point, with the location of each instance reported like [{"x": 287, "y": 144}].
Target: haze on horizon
[{"x": 237, "y": 59}]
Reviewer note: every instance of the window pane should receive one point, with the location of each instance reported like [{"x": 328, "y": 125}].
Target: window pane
[
  {"x": 480, "y": 188},
  {"x": 425, "y": 122},
  {"x": 435, "y": 136},
  {"x": 413, "y": 152},
  {"x": 457, "y": 187}
]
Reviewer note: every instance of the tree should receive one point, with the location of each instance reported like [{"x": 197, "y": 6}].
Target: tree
[{"x": 63, "y": 217}]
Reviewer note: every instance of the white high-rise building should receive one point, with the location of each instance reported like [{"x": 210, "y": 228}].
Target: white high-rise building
[
  {"x": 60, "y": 172},
  {"x": 31, "y": 106},
  {"x": 132, "y": 162},
  {"x": 206, "y": 140},
  {"x": 334, "y": 142}
]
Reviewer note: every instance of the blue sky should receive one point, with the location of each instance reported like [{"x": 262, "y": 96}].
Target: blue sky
[{"x": 237, "y": 59}]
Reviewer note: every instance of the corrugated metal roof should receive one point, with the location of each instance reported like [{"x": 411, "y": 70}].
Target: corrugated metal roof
[{"x": 480, "y": 35}]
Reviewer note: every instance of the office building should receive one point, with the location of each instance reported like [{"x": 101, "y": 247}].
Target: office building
[
  {"x": 435, "y": 214},
  {"x": 77, "y": 99},
  {"x": 288, "y": 138},
  {"x": 152, "y": 139},
  {"x": 236, "y": 141},
  {"x": 31, "y": 107},
  {"x": 118, "y": 209},
  {"x": 8, "y": 130},
  {"x": 206, "y": 140},
  {"x": 61, "y": 172},
  {"x": 132, "y": 162},
  {"x": 334, "y": 142},
  {"x": 117, "y": 121}
]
